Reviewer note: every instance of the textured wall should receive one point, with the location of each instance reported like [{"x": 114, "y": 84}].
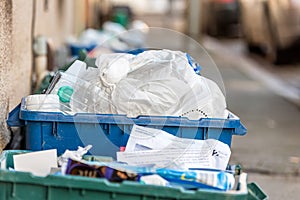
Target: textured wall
[
  {"x": 5, "y": 64},
  {"x": 55, "y": 20},
  {"x": 21, "y": 68},
  {"x": 15, "y": 58},
  {"x": 20, "y": 22}
]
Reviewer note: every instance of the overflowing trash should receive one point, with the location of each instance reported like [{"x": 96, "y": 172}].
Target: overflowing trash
[
  {"x": 152, "y": 83},
  {"x": 155, "y": 82},
  {"x": 189, "y": 179},
  {"x": 88, "y": 178},
  {"x": 206, "y": 167}
]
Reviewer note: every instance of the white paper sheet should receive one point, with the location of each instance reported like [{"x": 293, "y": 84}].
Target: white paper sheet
[
  {"x": 153, "y": 146},
  {"x": 38, "y": 163}
]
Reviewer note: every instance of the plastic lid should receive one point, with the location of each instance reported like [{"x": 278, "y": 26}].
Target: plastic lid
[{"x": 65, "y": 93}]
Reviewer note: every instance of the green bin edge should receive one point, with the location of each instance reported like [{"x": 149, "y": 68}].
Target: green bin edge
[
  {"x": 12, "y": 184},
  {"x": 255, "y": 192}
]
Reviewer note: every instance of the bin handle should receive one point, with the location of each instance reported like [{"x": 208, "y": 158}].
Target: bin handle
[
  {"x": 14, "y": 119},
  {"x": 240, "y": 130}
]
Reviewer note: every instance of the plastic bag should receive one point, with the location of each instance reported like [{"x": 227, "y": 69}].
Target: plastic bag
[
  {"x": 155, "y": 82},
  {"x": 159, "y": 82}
]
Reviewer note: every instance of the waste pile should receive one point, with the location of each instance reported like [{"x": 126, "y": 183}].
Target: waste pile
[
  {"x": 155, "y": 82},
  {"x": 151, "y": 83},
  {"x": 151, "y": 156}
]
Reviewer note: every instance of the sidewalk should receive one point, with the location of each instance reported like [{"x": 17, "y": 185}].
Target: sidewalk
[{"x": 282, "y": 80}]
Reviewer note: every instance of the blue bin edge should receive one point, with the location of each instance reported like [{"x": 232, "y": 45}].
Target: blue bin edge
[{"x": 19, "y": 115}]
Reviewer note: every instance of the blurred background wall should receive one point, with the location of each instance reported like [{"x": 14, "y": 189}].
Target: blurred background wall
[
  {"x": 5, "y": 64},
  {"x": 20, "y": 22}
]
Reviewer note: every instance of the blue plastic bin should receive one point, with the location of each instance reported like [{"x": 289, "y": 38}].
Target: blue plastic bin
[
  {"x": 75, "y": 48},
  {"x": 108, "y": 132}
]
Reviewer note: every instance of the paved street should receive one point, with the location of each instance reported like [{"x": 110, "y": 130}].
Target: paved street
[{"x": 270, "y": 152}]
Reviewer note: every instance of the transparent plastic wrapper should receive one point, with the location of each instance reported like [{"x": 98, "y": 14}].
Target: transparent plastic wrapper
[
  {"x": 78, "y": 91},
  {"x": 118, "y": 172},
  {"x": 220, "y": 180},
  {"x": 77, "y": 95},
  {"x": 43, "y": 102}
]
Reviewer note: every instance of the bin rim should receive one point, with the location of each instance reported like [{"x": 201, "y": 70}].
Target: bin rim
[{"x": 19, "y": 115}]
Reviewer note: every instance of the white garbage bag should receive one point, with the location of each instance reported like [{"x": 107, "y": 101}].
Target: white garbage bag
[
  {"x": 155, "y": 82},
  {"x": 158, "y": 82}
]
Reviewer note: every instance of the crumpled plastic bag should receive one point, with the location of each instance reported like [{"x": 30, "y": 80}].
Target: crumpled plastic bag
[
  {"x": 155, "y": 83},
  {"x": 158, "y": 82}
]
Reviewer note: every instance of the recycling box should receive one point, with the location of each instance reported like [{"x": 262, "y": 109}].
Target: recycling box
[
  {"x": 108, "y": 132},
  {"x": 24, "y": 185}
]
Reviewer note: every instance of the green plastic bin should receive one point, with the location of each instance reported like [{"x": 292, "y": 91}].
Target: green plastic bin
[{"x": 23, "y": 185}]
